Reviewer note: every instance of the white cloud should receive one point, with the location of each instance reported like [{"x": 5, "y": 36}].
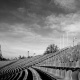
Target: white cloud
[
  {"x": 69, "y": 23},
  {"x": 22, "y": 10},
  {"x": 67, "y": 4},
  {"x": 73, "y": 28},
  {"x": 30, "y": 37}
]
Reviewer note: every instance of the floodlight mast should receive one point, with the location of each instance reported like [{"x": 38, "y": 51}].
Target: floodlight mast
[
  {"x": 28, "y": 54},
  {"x": 67, "y": 39},
  {"x": 63, "y": 40},
  {"x": 0, "y": 51},
  {"x": 0, "y": 47},
  {"x": 74, "y": 40}
]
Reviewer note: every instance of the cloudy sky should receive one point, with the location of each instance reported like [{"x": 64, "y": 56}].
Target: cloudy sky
[{"x": 31, "y": 25}]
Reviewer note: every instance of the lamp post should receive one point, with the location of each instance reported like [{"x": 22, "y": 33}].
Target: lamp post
[
  {"x": 34, "y": 54},
  {"x": 63, "y": 40},
  {"x": 28, "y": 54},
  {"x": 67, "y": 39},
  {"x": 0, "y": 52}
]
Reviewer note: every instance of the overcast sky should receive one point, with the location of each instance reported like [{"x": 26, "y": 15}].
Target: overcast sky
[{"x": 31, "y": 25}]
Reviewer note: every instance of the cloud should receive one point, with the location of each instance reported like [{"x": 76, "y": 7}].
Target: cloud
[
  {"x": 12, "y": 11},
  {"x": 32, "y": 11},
  {"x": 63, "y": 24},
  {"x": 45, "y": 27},
  {"x": 34, "y": 24},
  {"x": 67, "y": 4},
  {"x": 16, "y": 31},
  {"x": 73, "y": 28},
  {"x": 19, "y": 39}
]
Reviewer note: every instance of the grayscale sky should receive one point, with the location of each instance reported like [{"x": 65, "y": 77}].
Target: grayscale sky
[{"x": 31, "y": 25}]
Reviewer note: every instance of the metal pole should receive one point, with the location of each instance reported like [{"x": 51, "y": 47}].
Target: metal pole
[
  {"x": 0, "y": 51},
  {"x": 73, "y": 42},
  {"x": 67, "y": 38},
  {"x": 60, "y": 42},
  {"x": 34, "y": 54},
  {"x": 63, "y": 40},
  {"x": 28, "y": 54},
  {"x": 0, "y": 47}
]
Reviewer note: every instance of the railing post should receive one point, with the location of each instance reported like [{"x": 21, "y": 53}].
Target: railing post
[
  {"x": 78, "y": 64},
  {"x": 57, "y": 72},
  {"x": 68, "y": 75},
  {"x": 63, "y": 73},
  {"x": 75, "y": 75}
]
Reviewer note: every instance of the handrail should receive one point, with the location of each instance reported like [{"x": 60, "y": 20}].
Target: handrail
[{"x": 62, "y": 68}]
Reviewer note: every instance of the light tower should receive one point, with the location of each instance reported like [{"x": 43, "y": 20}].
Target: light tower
[
  {"x": 28, "y": 54},
  {"x": 74, "y": 38},
  {"x": 63, "y": 40},
  {"x": 0, "y": 52}
]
